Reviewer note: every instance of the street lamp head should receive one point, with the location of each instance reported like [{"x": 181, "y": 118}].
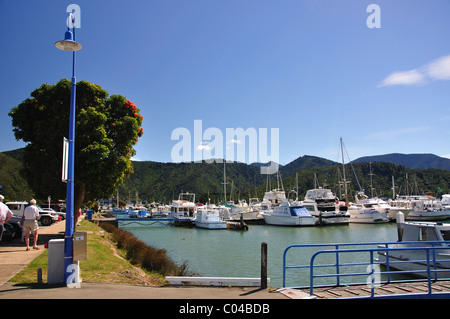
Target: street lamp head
[{"x": 68, "y": 44}]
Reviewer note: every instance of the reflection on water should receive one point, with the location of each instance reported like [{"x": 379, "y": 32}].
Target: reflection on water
[{"x": 238, "y": 253}]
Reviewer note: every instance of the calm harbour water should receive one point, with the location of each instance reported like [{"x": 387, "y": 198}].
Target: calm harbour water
[{"x": 230, "y": 253}]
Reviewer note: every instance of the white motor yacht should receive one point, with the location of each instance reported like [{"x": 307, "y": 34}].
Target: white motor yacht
[
  {"x": 287, "y": 215},
  {"x": 321, "y": 203},
  {"x": 362, "y": 215},
  {"x": 399, "y": 205}
]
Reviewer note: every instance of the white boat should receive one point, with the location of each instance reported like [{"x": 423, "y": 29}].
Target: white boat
[
  {"x": 399, "y": 205},
  {"x": 321, "y": 203},
  {"x": 362, "y": 215},
  {"x": 428, "y": 211},
  {"x": 423, "y": 234},
  {"x": 445, "y": 201},
  {"x": 274, "y": 197},
  {"x": 248, "y": 213},
  {"x": 209, "y": 219},
  {"x": 372, "y": 202},
  {"x": 183, "y": 207},
  {"x": 287, "y": 215}
]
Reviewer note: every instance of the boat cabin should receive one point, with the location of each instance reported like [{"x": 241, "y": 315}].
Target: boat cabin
[{"x": 417, "y": 231}]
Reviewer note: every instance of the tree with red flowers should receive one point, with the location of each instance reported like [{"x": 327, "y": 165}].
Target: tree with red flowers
[{"x": 107, "y": 128}]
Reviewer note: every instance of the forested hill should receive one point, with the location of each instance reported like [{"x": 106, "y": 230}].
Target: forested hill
[
  {"x": 162, "y": 182},
  {"x": 415, "y": 161}
]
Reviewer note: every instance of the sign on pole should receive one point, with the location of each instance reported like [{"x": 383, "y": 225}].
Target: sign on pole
[{"x": 65, "y": 162}]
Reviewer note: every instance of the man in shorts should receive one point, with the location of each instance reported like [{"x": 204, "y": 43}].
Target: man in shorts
[
  {"x": 5, "y": 215},
  {"x": 30, "y": 215}
]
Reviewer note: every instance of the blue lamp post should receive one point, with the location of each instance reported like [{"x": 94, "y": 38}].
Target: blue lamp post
[{"x": 69, "y": 44}]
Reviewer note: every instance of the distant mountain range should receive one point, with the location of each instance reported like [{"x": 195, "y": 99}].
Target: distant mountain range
[
  {"x": 154, "y": 181},
  {"x": 414, "y": 161}
]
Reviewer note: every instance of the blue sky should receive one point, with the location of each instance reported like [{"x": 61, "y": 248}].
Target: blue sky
[{"x": 311, "y": 68}]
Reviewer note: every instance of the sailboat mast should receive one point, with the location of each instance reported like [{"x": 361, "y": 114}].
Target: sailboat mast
[
  {"x": 371, "y": 184},
  {"x": 343, "y": 168},
  {"x": 393, "y": 187},
  {"x": 224, "y": 181}
]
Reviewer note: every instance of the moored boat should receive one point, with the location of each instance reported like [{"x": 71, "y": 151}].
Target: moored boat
[
  {"x": 362, "y": 215},
  {"x": 428, "y": 211},
  {"x": 421, "y": 237},
  {"x": 209, "y": 219},
  {"x": 321, "y": 203},
  {"x": 287, "y": 215},
  {"x": 183, "y": 207}
]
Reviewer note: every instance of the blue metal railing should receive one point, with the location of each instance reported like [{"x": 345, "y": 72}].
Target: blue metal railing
[{"x": 338, "y": 270}]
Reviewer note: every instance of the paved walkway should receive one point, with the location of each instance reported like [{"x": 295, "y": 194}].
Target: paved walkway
[
  {"x": 13, "y": 254},
  {"x": 14, "y": 258}
]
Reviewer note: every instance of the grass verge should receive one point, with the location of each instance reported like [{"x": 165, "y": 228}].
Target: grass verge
[{"x": 104, "y": 263}]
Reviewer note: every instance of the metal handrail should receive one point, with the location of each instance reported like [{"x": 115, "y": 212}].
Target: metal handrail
[{"x": 343, "y": 248}]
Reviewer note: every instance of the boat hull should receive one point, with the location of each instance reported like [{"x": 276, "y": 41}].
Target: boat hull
[
  {"x": 368, "y": 217},
  {"x": 289, "y": 221},
  {"x": 211, "y": 225},
  {"x": 392, "y": 215},
  {"x": 428, "y": 215},
  {"x": 328, "y": 218}
]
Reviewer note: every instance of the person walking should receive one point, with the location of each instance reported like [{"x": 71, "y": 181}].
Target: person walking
[
  {"x": 30, "y": 223},
  {"x": 5, "y": 215}
]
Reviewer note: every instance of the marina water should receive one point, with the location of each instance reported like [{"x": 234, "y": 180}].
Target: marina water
[{"x": 227, "y": 253}]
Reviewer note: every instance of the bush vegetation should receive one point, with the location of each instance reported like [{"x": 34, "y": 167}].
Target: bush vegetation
[{"x": 144, "y": 256}]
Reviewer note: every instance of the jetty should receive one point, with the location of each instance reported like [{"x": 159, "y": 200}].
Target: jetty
[
  {"x": 399, "y": 290},
  {"x": 356, "y": 271}
]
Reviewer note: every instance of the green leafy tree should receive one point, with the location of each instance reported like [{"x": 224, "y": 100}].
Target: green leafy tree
[{"x": 107, "y": 128}]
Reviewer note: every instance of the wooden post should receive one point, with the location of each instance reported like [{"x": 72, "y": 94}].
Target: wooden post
[
  {"x": 264, "y": 265},
  {"x": 39, "y": 276}
]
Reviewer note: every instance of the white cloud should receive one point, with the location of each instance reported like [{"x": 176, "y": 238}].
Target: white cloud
[
  {"x": 234, "y": 141},
  {"x": 203, "y": 146},
  {"x": 438, "y": 69},
  {"x": 446, "y": 156},
  {"x": 403, "y": 78}
]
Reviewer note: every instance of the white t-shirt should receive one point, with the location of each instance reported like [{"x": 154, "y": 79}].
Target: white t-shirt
[
  {"x": 31, "y": 212},
  {"x": 5, "y": 212}
]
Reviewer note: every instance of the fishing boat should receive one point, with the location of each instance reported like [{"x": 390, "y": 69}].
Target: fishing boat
[
  {"x": 321, "y": 203},
  {"x": 287, "y": 215},
  {"x": 209, "y": 219},
  {"x": 184, "y": 206},
  {"x": 419, "y": 235}
]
